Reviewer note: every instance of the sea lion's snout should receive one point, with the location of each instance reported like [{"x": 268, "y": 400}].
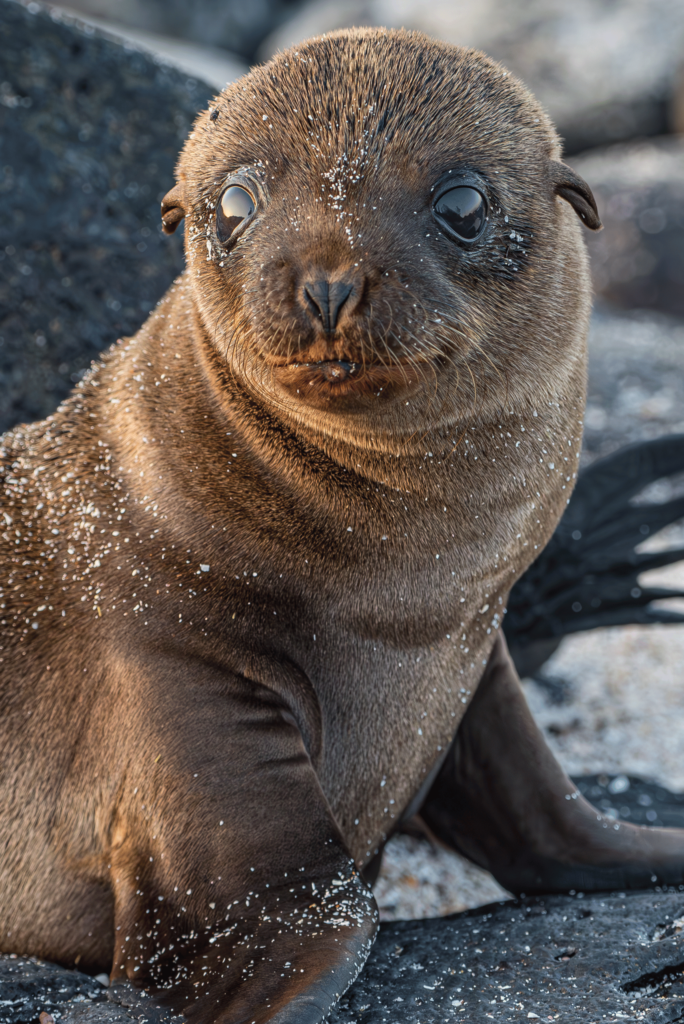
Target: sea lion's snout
[
  {"x": 325, "y": 299},
  {"x": 340, "y": 355},
  {"x": 333, "y": 325}
]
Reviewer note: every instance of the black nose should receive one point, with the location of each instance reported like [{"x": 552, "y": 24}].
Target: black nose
[{"x": 325, "y": 299}]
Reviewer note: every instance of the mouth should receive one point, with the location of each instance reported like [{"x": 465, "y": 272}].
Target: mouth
[
  {"x": 333, "y": 379},
  {"x": 330, "y": 371}
]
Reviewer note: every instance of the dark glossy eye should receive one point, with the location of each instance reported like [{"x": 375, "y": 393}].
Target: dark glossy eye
[
  {"x": 236, "y": 205},
  {"x": 462, "y": 211}
]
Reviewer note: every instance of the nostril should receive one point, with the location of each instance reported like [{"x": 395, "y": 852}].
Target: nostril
[
  {"x": 326, "y": 299},
  {"x": 316, "y": 294}
]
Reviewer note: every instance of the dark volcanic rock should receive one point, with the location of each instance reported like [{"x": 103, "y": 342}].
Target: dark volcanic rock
[
  {"x": 89, "y": 135},
  {"x": 633, "y": 799},
  {"x": 30, "y": 987},
  {"x": 575, "y": 959},
  {"x": 583, "y": 960},
  {"x": 27, "y": 987}
]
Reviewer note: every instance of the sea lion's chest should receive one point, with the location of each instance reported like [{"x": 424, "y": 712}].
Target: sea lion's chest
[
  {"x": 394, "y": 641},
  {"x": 390, "y": 707}
]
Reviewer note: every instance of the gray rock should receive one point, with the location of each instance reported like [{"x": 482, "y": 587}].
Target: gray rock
[
  {"x": 596, "y": 958},
  {"x": 232, "y": 24},
  {"x": 605, "y": 71},
  {"x": 632, "y": 799},
  {"x": 29, "y": 987},
  {"x": 97, "y": 1013},
  {"x": 212, "y": 64},
  {"x": 89, "y": 135},
  {"x": 636, "y": 379},
  {"x": 592, "y": 959},
  {"x": 637, "y": 261}
]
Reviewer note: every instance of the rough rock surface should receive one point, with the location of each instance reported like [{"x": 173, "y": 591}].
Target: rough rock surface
[
  {"x": 590, "y": 959},
  {"x": 30, "y": 987},
  {"x": 605, "y": 71},
  {"x": 212, "y": 64},
  {"x": 89, "y": 134},
  {"x": 637, "y": 261},
  {"x": 27, "y": 987}
]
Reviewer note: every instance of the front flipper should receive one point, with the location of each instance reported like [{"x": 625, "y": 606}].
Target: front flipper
[
  {"x": 503, "y": 801},
  {"x": 236, "y": 900}
]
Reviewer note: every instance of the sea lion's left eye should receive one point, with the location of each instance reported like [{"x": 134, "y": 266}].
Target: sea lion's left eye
[
  {"x": 462, "y": 211},
  {"x": 235, "y": 206}
]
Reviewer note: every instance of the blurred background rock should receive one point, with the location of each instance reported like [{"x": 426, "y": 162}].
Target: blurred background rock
[
  {"x": 606, "y": 70},
  {"x": 95, "y": 102},
  {"x": 637, "y": 261}
]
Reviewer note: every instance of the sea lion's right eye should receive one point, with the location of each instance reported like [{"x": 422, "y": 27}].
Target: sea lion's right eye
[
  {"x": 235, "y": 206},
  {"x": 462, "y": 211}
]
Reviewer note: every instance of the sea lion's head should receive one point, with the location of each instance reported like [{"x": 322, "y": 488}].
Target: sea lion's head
[{"x": 381, "y": 236}]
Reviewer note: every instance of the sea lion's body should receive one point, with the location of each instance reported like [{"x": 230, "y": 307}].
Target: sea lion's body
[{"x": 241, "y": 625}]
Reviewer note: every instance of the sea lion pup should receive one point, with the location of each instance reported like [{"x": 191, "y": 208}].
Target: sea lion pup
[{"x": 254, "y": 569}]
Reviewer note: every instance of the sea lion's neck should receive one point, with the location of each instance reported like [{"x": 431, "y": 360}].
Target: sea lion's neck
[{"x": 192, "y": 437}]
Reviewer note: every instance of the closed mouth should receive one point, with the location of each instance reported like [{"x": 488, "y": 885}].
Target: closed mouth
[
  {"x": 332, "y": 370},
  {"x": 336, "y": 378}
]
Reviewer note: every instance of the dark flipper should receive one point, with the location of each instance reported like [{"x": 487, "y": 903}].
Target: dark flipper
[
  {"x": 587, "y": 575},
  {"x": 503, "y": 801},
  {"x": 236, "y": 900}
]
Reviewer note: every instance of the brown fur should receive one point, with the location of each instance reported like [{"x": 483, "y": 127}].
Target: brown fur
[{"x": 166, "y": 728}]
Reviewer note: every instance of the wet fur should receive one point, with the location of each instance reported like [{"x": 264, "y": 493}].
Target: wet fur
[{"x": 180, "y": 742}]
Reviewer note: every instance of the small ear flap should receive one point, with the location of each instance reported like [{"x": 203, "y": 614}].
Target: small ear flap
[
  {"x": 172, "y": 209},
  {"x": 569, "y": 186}
]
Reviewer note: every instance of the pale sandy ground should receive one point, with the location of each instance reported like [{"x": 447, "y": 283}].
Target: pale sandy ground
[
  {"x": 419, "y": 880},
  {"x": 626, "y": 714}
]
